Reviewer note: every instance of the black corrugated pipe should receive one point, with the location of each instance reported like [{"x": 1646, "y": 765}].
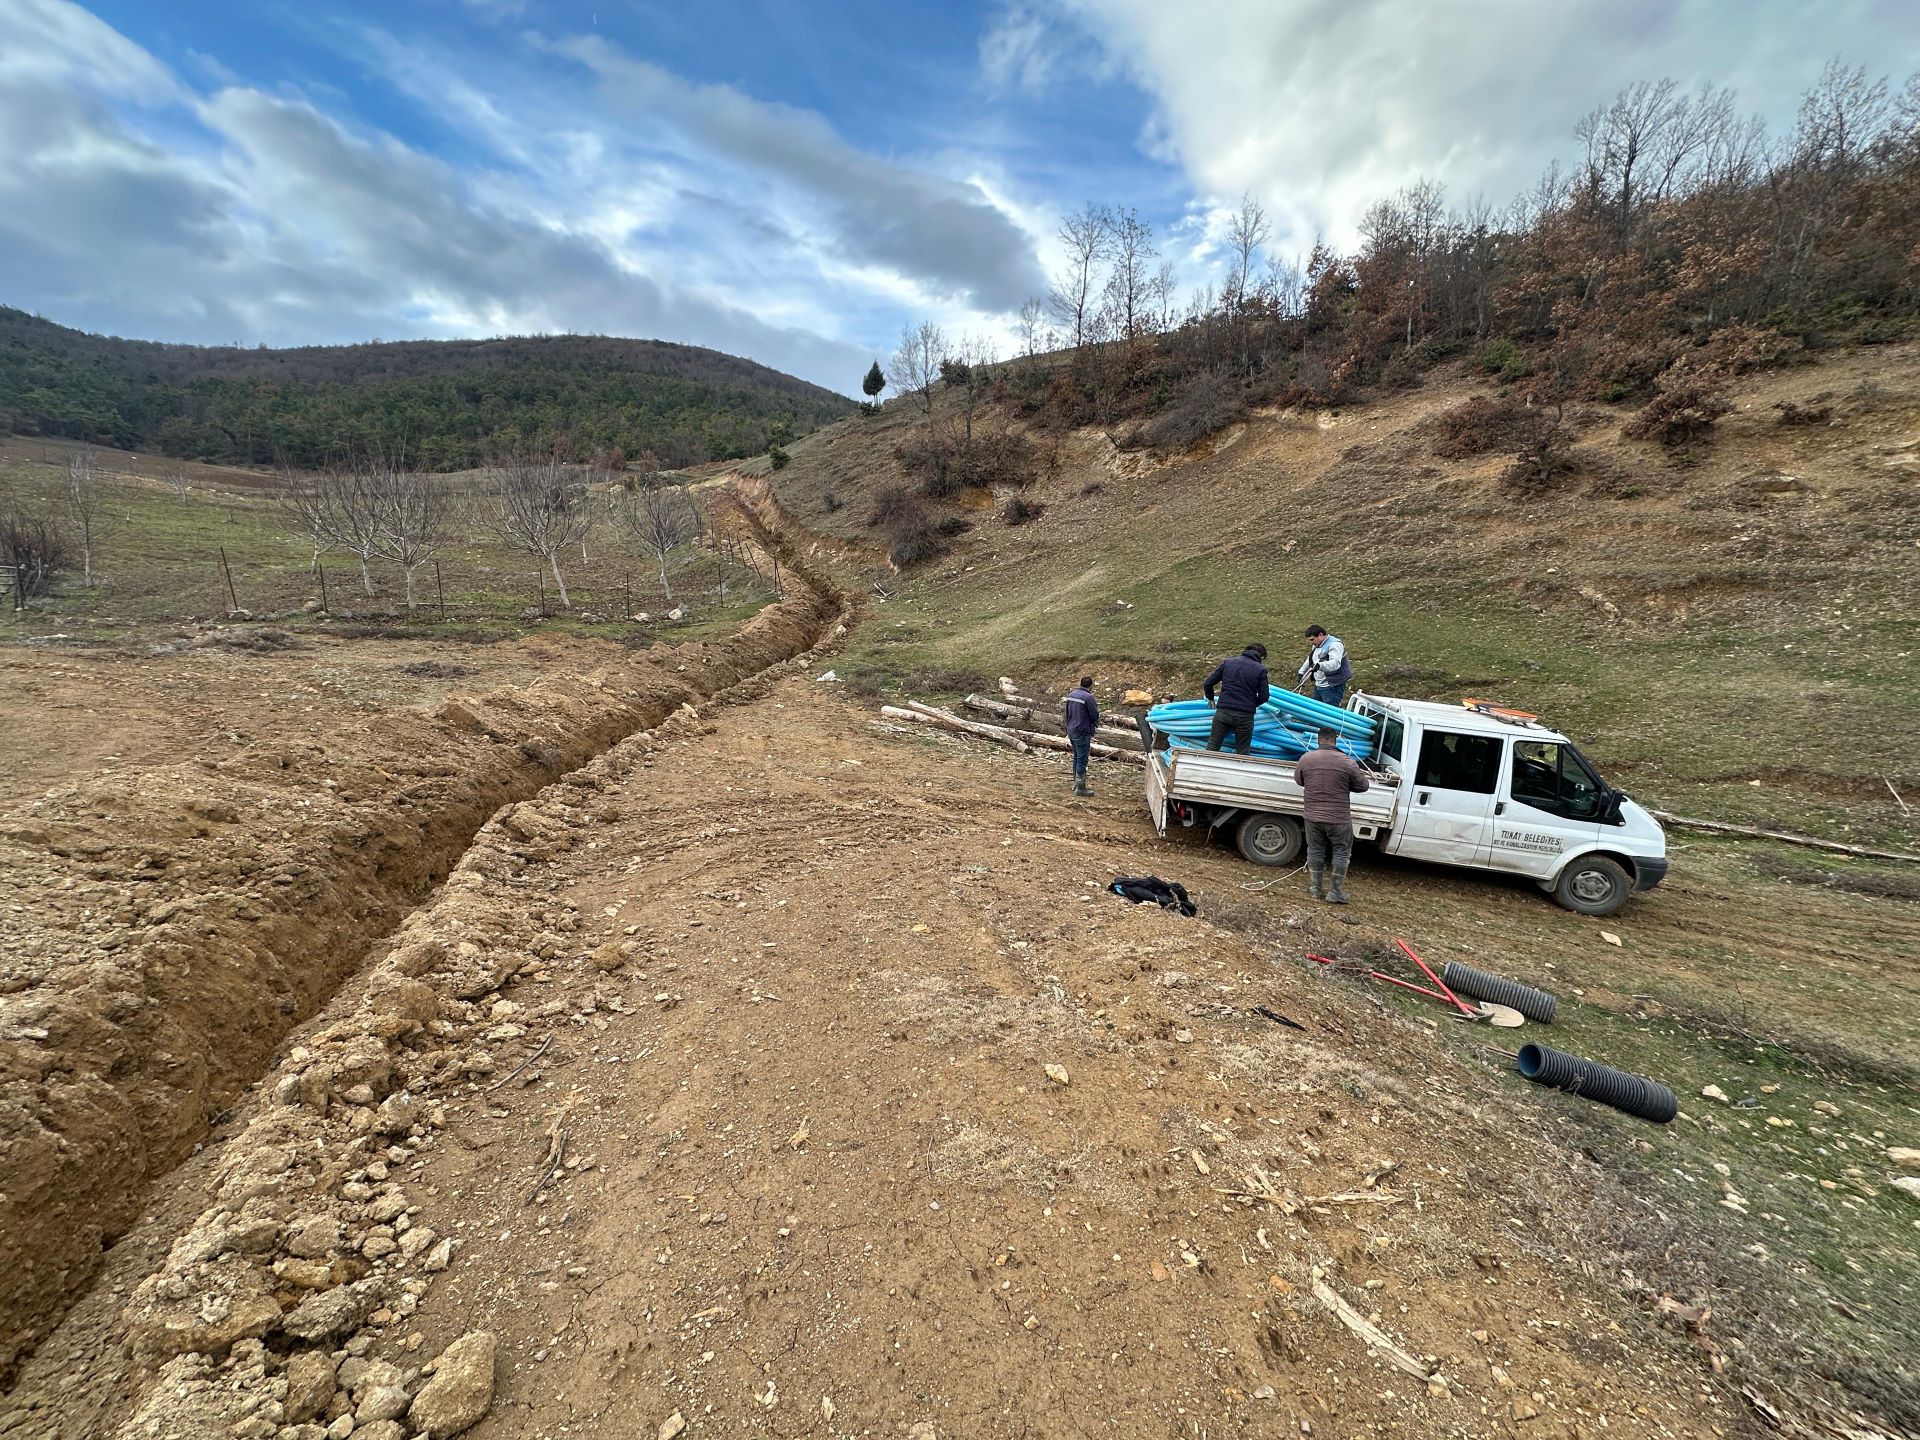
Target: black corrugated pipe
[
  {"x": 1647, "y": 1099},
  {"x": 1536, "y": 1005}
]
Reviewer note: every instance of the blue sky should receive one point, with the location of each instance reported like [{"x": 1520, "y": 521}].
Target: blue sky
[{"x": 789, "y": 181}]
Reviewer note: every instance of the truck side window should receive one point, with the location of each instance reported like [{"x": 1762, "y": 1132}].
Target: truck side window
[
  {"x": 1550, "y": 777},
  {"x": 1451, "y": 761},
  {"x": 1393, "y": 735}
]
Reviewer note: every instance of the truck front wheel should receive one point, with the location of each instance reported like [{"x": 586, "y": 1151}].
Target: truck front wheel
[
  {"x": 1271, "y": 839},
  {"x": 1593, "y": 885}
]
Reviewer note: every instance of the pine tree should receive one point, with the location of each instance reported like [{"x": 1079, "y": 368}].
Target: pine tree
[{"x": 875, "y": 382}]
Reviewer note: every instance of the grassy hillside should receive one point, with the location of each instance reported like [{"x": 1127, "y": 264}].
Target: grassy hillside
[
  {"x": 451, "y": 403},
  {"x": 1732, "y": 635}
]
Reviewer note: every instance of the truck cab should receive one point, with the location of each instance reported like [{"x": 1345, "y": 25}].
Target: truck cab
[
  {"x": 1468, "y": 784},
  {"x": 1497, "y": 790}
]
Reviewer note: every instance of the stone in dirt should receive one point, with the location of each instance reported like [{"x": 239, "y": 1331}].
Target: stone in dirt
[
  {"x": 382, "y": 1402},
  {"x": 314, "y": 1238},
  {"x": 309, "y": 1385},
  {"x": 381, "y": 1430},
  {"x": 1903, "y": 1157},
  {"x": 331, "y": 1313},
  {"x": 461, "y": 1388},
  {"x": 1058, "y": 1074},
  {"x": 673, "y": 1425},
  {"x": 1908, "y": 1185}
]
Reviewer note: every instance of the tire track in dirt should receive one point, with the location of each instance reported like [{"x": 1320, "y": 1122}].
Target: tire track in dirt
[{"x": 169, "y": 931}]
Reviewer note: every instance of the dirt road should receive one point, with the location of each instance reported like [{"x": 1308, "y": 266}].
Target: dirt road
[{"x": 787, "y": 989}]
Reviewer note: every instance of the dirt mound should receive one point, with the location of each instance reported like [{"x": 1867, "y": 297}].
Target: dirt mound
[{"x": 172, "y": 928}]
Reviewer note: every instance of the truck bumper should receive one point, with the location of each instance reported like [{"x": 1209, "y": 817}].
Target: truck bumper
[{"x": 1648, "y": 872}]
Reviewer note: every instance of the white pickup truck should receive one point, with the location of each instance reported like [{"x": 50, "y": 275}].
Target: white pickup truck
[{"x": 1485, "y": 789}]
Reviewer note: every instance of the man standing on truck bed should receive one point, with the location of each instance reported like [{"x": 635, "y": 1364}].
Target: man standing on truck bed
[
  {"x": 1326, "y": 666},
  {"x": 1243, "y": 689},
  {"x": 1330, "y": 780},
  {"x": 1082, "y": 719}
]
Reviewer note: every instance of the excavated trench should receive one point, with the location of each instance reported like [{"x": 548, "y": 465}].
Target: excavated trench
[{"x": 163, "y": 937}]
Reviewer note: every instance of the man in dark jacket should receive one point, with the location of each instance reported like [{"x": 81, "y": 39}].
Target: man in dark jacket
[
  {"x": 1082, "y": 719},
  {"x": 1330, "y": 778},
  {"x": 1242, "y": 681}
]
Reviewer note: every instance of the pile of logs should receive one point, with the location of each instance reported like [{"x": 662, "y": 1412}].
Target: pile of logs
[{"x": 1112, "y": 742}]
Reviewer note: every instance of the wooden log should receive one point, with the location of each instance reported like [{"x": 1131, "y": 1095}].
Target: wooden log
[
  {"x": 1099, "y": 750},
  {"x": 1117, "y": 734},
  {"x": 935, "y": 716},
  {"x": 1023, "y": 740},
  {"x": 1785, "y": 837}
]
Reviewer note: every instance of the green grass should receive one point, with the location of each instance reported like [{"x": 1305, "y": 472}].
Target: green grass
[{"x": 158, "y": 564}]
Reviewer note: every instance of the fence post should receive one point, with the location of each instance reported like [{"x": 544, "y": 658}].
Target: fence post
[
  {"x": 540, "y": 577},
  {"x": 233, "y": 601},
  {"x": 440, "y": 590},
  {"x": 324, "y": 605}
]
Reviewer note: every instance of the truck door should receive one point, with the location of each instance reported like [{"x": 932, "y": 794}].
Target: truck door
[
  {"x": 1549, "y": 803},
  {"x": 1448, "y": 809}
]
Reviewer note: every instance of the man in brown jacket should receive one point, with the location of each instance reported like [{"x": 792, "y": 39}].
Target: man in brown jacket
[{"x": 1329, "y": 778}]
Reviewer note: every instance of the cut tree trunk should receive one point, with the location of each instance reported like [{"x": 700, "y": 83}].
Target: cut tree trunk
[
  {"x": 1016, "y": 739},
  {"x": 1118, "y": 734}
]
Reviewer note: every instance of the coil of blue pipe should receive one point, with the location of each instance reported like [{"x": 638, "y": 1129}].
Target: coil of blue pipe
[{"x": 1285, "y": 727}]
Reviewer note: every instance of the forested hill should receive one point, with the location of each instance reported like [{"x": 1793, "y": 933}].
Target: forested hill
[{"x": 446, "y": 403}]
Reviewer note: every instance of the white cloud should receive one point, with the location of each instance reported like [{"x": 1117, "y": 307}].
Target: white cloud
[
  {"x": 937, "y": 230},
  {"x": 135, "y": 201},
  {"x": 1319, "y": 109}
]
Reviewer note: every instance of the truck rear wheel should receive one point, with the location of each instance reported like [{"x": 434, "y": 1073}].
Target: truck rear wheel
[
  {"x": 1271, "y": 839},
  {"x": 1593, "y": 885}
]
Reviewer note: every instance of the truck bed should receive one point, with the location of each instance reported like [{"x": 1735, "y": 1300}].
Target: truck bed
[{"x": 1252, "y": 783}]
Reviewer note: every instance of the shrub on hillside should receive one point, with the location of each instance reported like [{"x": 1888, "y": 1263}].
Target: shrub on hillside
[
  {"x": 1207, "y": 403},
  {"x": 1482, "y": 425},
  {"x": 1543, "y": 457},
  {"x": 909, "y": 528},
  {"x": 1503, "y": 358},
  {"x": 945, "y": 463},
  {"x": 1686, "y": 405},
  {"x": 1021, "y": 510},
  {"x": 778, "y": 457}
]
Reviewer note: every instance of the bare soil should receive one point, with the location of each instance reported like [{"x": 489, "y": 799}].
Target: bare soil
[
  {"x": 707, "y": 1067},
  {"x": 788, "y": 986}
]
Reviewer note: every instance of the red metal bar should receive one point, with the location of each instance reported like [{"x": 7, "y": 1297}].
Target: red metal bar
[
  {"x": 1455, "y": 1000},
  {"x": 1390, "y": 979}
]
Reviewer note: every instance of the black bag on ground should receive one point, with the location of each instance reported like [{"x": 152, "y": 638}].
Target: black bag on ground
[{"x": 1152, "y": 890}]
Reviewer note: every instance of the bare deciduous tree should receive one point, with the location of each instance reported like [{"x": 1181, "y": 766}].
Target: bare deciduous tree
[
  {"x": 306, "y": 507},
  {"x": 916, "y": 365},
  {"x": 1247, "y": 234},
  {"x": 661, "y": 518},
  {"x": 413, "y": 512},
  {"x": 353, "y": 500},
  {"x": 1087, "y": 237},
  {"x": 179, "y": 484},
  {"x": 1033, "y": 325},
  {"x": 86, "y": 508},
  {"x": 541, "y": 506},
  {"x": 1130, "y": 284}
]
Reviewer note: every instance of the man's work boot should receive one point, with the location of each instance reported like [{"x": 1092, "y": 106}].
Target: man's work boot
[
  {"x": 1338, "y": 894},
  {"x": 1080, "y": 786},
  {"x": 1316, "y": 883}
]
